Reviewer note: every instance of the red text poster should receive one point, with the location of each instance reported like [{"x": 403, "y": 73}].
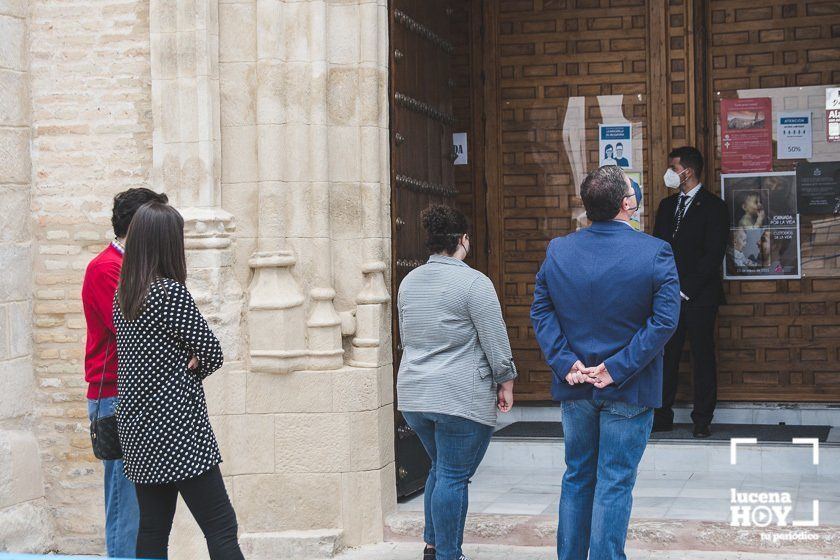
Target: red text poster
[{"x": 746, "y": 135}]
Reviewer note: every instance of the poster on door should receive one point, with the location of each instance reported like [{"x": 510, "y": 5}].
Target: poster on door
[
  {"x": 764, "y": 226},
  {"x": 746, "y": 135},
  {"x": 793, "y": 136},
  {"x": 615, "y": 145},
  {"x": 818, "y": 187},
  {"x": 459, "y": 148},
  {"x": 832, "y": 114},
  {"x": 637, "y": 220}
]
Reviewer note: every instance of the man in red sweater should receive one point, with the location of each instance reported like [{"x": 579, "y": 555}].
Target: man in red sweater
[{"x": 122, "y": 515}]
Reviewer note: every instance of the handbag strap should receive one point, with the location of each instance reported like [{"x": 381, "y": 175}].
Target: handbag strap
[{"x": 102, "y": 379}]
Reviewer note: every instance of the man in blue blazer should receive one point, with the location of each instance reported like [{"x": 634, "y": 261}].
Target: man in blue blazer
[{"x": 607, "y": 300}]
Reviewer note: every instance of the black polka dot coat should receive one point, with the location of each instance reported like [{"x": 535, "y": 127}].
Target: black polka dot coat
[{"x": 162, "y": 420}]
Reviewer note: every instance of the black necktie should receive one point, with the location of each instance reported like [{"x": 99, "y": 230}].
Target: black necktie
[{"x": 680, "y": 212}]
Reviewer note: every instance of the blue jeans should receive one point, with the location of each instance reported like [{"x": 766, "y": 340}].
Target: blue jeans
[
  {"x": 604, "y": 443},
  {"x": 122, "y": 514},
  {"x": 456, "y": 446}
]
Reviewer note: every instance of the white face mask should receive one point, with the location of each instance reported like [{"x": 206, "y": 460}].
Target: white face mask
[{"x": 672, "y": 179}]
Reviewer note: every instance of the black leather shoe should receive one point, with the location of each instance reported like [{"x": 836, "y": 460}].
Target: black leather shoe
[
  {"x": 702, "y": 431},
  {"x": 663, "y": 427},
  {"x": 428, "y": 553}
]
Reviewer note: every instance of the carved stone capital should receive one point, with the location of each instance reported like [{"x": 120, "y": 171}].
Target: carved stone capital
[
  {"x": 207, "y": 228},
  {"x": 276, "y": 315},
  {"x": 371, "y": 318},
  {"x": 374, "y": 290},
  {"x": 324, "y": 331}
]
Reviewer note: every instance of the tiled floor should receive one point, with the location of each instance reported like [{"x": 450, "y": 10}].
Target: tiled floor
[{"x": 657, "y": 495}]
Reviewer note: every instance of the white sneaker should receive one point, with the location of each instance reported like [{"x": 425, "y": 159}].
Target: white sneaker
[{"x": 463, "y": 557}]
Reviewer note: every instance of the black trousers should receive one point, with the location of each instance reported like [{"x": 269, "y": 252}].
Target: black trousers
[
  {"x": 698, "y": 325},
  {"x": 209, "y": 504}
]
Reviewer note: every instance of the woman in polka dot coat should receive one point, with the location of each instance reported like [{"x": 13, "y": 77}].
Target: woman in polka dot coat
[{"x": 165, "y": 349}]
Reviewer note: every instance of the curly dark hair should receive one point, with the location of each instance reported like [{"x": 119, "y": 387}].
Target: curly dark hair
[
  {"x": 127, "y": 203},
  {"x": 444, "y": 227}
]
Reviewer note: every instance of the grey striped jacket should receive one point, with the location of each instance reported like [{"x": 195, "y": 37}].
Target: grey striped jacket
[{"x": 454, "y": 339}]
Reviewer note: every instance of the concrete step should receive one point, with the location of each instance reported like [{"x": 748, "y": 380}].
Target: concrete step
[
  {"x": 817, "y": 414},
  {"x": 667, "y": 456},
  {"x": 291, "y": 545},
  {"x": 660, "y": 535},
  {"x": 410, "y": 551}
]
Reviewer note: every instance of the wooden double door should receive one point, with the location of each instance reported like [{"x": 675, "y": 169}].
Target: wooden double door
[{"x": 529, "y": 81}]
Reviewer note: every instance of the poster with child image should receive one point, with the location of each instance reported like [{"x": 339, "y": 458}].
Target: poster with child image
[{"x": 763, "y": 226}]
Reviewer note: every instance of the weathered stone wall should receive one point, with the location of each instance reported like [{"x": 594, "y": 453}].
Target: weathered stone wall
[
  {"x": 304, "y": 171},
  {"x": 24, "y": 523},
  {"x": 91, "y": 138},
  {"x": 286, "y": 103}
]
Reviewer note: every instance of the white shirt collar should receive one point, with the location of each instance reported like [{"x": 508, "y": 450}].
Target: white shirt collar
[
  {"x": 625, "y": 222},
  {"x": 694, "y": 191},
  {"x": 118, "y": 246}
]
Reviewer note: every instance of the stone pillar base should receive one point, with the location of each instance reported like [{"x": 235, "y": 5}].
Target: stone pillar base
[
  {"x": 291, "y": 545},
  {"x": 26, "y": 527}
]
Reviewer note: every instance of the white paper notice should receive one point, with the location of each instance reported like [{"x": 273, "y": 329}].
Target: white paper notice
[
  {"x": 793, "y": 136},
  {"x": 615, "y": 145},
  {"x": 459, "y": 144},
  {"x": 832, "y": 114}
]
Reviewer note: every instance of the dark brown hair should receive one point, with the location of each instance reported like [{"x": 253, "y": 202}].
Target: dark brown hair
[
  {"x": 690, "y": 157},
  {"x": 444, "y": 227},
  {"x": 154, "y": 249},
  {"x": 126, "y": 204}
]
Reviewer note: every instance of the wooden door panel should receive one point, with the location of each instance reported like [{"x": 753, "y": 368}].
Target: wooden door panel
[
  {"x": 672, "y": 62},
  {"x": 421, "y": 166},
  {"x": 777, "y": 339},
  {"x": 553, "y": 60}
]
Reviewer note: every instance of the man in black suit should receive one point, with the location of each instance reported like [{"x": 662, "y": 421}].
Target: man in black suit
[{"x": 696, "y": 224}]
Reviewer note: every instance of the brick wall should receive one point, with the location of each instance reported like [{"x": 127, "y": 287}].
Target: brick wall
[{"x": 91, "y": 138}]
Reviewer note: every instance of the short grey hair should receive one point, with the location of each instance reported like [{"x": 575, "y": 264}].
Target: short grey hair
[{"x": 602, "y": 192}]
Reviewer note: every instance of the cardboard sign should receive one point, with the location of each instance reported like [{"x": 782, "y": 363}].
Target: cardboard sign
[{"x": 746, "y": 135}]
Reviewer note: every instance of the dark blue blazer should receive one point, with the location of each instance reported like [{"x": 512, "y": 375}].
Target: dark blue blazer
[{"x": 607, "y": 294}]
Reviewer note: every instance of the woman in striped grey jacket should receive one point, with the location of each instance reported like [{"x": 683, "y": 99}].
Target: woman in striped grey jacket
[{"x": 456, "y": 371}]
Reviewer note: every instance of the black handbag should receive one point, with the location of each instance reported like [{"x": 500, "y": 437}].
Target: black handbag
[{"x": 103, "y": 430}]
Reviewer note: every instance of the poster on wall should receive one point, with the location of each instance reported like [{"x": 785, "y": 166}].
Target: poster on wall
[
  {"x": 746, "y": 135},
  {"x": 764, "y": 226},
  {"x": 615, "y": 145},
  {"x": 637, "y": 220},
  {"x": 818, "y": 187},
  {"x": 459, "y": 148},
  {"x": 793, "y": 136},
  {"x": 832, "y": 114}
]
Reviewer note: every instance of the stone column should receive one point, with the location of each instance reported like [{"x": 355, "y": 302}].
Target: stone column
[
  {"x": 305, "y": 148},
  {"x": 186, "y": 151},
  {"x": 187, "y": 165},
  {"x": 25, "y": 525}
]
